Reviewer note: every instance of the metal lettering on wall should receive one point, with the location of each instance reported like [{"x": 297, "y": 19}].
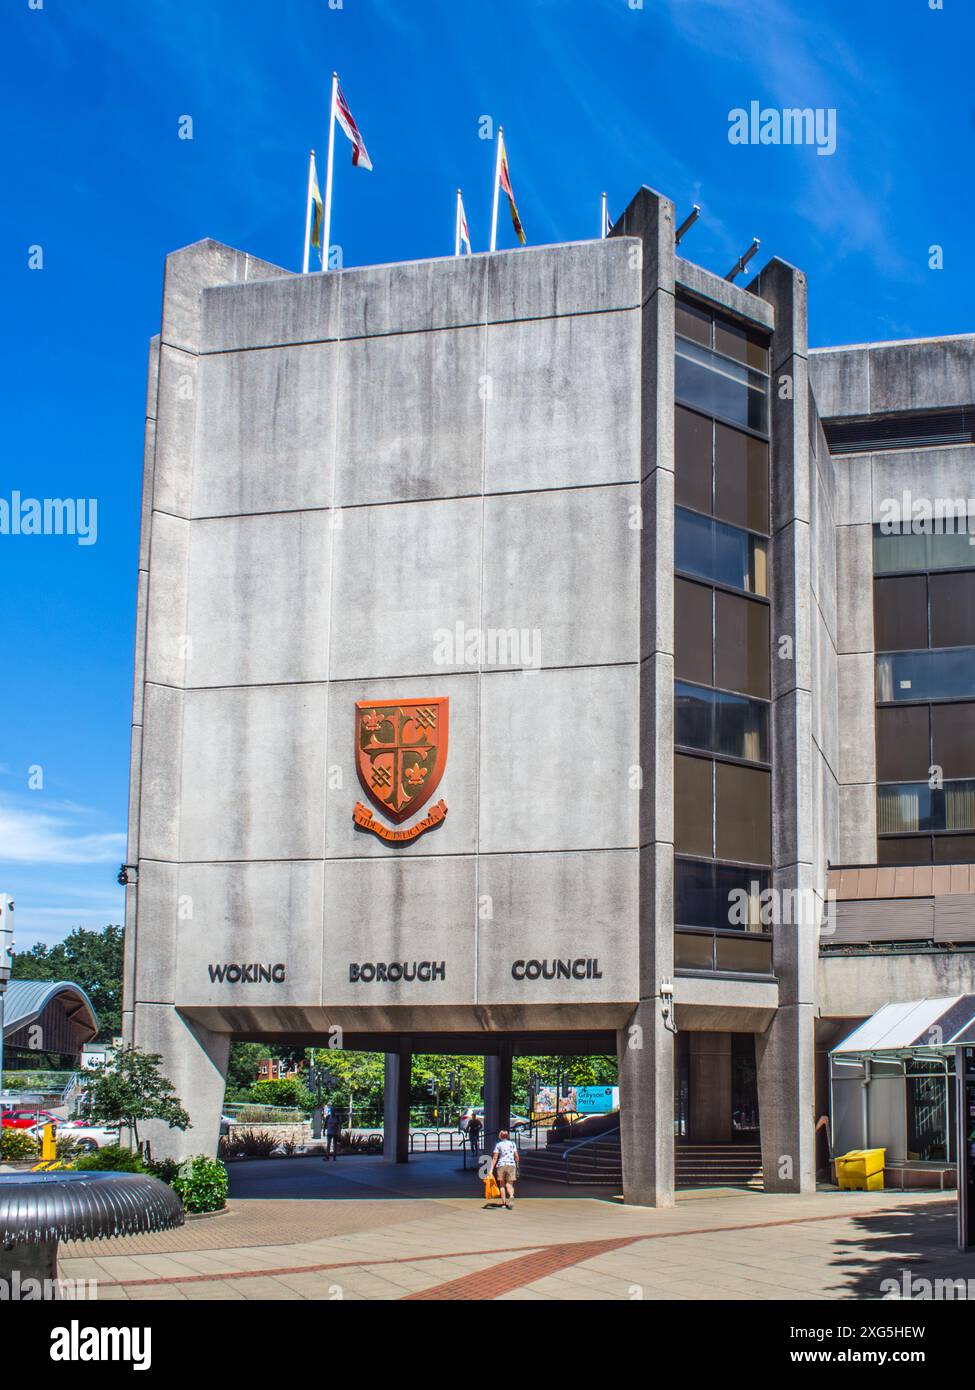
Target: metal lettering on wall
[
  {"x": 400, "y": 756},
  {"x": 582, "y": 968},
  {"x": 251, "y": 973},
  {"x": 391, "y": 972}
]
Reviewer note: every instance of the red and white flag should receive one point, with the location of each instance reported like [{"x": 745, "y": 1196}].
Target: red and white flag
[
  {"x": 345, "y": 118},
  {"x": 463, "y": 235}
]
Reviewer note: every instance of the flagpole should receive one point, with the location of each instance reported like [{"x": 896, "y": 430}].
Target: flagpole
[
  {"x": 457, "y": 227},
  {"x": 602, "y": 218},
  {"x": 327, "y": 211},
  {"x": 311, "y": 179},
  {"x": 497, "y": 184}
]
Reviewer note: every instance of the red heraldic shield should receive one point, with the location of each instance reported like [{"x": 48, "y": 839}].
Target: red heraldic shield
[{"x": 400, "y": 752}]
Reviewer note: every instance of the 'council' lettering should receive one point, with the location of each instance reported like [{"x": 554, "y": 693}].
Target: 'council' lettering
[
  {"x": 584, "y": 968},
  {"x": 391, "y": 973}
]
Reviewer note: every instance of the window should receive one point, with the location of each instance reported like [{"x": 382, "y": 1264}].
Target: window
[
  {"x": 925, "y": 675},
  {"x": 726, "y": 335},
  {"x": 893, "y": 551},
  {"x": 903, "y": 743},
  {"x": 721, "y": 471},
  {"x": 900, "y": 613},
  {"x": 952, "y": 609},
  {"x": 742, "y": 813},
  {"x": 741, "y": 645},
  {"x": 693, "y": 625},
  {"x": 721, "y": 896},
  {"x": 718, "y": 722},
  {"x": 716, "y": 551},
  {"x": 952, "y": 739},
  {"x": 719, "y": 386},
  {"x": 694, "y": 805}
]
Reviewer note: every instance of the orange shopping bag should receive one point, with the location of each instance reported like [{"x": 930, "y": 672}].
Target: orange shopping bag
[{"x": 491, "y": 1188}]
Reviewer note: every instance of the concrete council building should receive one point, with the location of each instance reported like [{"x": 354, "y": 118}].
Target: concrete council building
[{"x": 604, "y": 517}]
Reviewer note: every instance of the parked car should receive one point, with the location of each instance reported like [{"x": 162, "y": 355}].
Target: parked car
[
  {"x": 27, "y": 1119},
  {"x": 87, "y": 1137}
]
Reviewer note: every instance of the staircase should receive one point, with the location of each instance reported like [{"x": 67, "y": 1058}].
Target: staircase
[
  {"x": 719, "y": 1165},
  {"x": 591, "y": 1161}
]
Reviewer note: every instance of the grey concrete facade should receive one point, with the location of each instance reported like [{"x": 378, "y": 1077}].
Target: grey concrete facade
[{"x": 349, "y": 475}]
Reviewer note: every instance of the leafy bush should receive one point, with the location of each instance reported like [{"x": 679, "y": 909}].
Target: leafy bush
[
  {"x": 67, "y": 1148},
  {"x": 360, "y": 1143},
  {"x": 113, "y": 1159},
  {"x": 165, "y": 1169},
  {"x": 202, "y": 1184},
  {"x": 257, "y": 1143},
  {"x": 16, "y": 1145}
]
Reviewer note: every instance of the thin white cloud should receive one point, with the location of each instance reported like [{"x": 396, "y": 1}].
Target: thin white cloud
[{"x": 29, "y": 836}]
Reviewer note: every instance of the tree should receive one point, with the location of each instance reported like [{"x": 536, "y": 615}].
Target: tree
[
  {"x": 130, "y": 1088},
  {"x": 91, "y": 959},
  {"x": 286, "y": 1090}
]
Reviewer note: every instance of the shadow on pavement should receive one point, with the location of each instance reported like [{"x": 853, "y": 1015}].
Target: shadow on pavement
[{"x": 903, "y": 1245}]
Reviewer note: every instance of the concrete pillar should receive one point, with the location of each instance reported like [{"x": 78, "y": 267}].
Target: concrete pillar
[
  {"x": 785, "y": 1059},
  {"x": 710, "y": 1086},
  {"x": 497, "y": 1093},
  {"x": 396, "y": 1104},
  {"x": 195, "y": 1060},
  {"x": 645, "y": 1046}
]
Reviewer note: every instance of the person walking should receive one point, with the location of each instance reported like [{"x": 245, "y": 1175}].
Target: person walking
[
  {"x": 505, "y": 1167},
  {"x": 474, "y": 1137},
  {"x": 333, "y": 1132}
]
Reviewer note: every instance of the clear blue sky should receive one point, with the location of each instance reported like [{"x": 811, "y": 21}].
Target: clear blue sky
[{"x": 593, "y": 95}]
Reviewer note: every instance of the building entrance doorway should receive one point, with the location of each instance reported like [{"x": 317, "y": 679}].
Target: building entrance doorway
[{"x": 715, "y": 1089}]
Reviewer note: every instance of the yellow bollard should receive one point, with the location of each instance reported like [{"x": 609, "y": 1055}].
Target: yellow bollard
[{"x": 49, "y": 1148}]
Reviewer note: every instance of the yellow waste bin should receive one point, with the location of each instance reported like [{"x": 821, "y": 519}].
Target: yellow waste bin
[{"x": 861, "y": 1169}]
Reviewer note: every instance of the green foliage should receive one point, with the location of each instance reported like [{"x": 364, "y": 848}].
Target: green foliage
[
  {"x": 165, "y": 1169},
  {"x": 242, "y": 1067},
  {"x": 130, "y": 1088},
  {"x": 255, "y": 1143},
  {"x": 576, "y": 1071},
  {"x": 290, "y": 1090},
  {"x": 17, "y": 1145},
  {"x": 202, "y": 1184},
  {"x": 360, "y": 1143},
  {"x": 91, "y": 959},
  {"x": 112, "y": 1159}
]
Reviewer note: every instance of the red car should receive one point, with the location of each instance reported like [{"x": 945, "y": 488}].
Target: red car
[{"x": 26, "y": 1119}]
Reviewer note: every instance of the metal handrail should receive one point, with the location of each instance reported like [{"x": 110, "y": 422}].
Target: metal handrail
[{"x": 573, "y": 1148}]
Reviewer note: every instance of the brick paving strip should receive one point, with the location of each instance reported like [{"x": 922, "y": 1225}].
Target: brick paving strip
[
  {"x": 514, "y": 1274},
  {"x": 471, "y": 1286}
]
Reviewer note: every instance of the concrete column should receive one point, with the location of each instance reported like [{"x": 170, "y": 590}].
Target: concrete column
[
  {"x": 497, "y": 1092},
  {"x": 786, "y": 1099},
  {"x": 710, "y": 1076},
  {"x": 195, "y": 1060},
  {"x": 645, "y": 1045},
  {"x": 396, "y": 1104}
]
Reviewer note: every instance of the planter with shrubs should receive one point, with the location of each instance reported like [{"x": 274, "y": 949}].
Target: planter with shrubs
[
  {"x": 201, "y": 1184},
  {"x": 18, "y": 1145}
]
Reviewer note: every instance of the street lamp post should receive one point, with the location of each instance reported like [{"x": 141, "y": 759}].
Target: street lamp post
[{"x": 6, "y": 959}]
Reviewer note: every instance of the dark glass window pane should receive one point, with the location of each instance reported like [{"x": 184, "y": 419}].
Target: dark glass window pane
[
  {"x": 929, "y": 551},
  {"x": 693, "y": 805},
  {"x": 717, "y": 722},
  {"x": 953, "y": 739},
  {"x": 903, "y": 750},
  {"x": 913, "y": 849},
  {"x": 693, "y": 951},
  {"x": 719, "y": 552},
  {"x": 741, "y": 479},
  {"x": 907, "y": 806},
  {"x": 741, "y": 727},
  {"x": 934, "y": 675},
  {"x": 900, "y": 613},
  {"x": 693, "y": 323},
  {"x": 694, "y": 717},
  {"x": 744, "y": 344},
  {"x": 692, "y": 459},
  {"x": 741, "y": 644},
  {"x": 719, "y": 386},
  {"x": 954, "y": 849},
  {"x": 958, "y": 806},
  {"x": 743, "y": 954},
  {"x": 952, "y": 609},
  {"x": 692, "y": 632},
  {"x": 743, "y": 813},
  {"x": 718, "y": 895}
]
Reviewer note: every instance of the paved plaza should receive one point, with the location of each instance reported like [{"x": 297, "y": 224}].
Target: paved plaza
[{"x": 364, "y": 1229}]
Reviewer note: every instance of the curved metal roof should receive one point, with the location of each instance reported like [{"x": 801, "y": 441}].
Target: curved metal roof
[
  {"x": 39, "y": 1207},
  {"x": 26, "y": 1000}
]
